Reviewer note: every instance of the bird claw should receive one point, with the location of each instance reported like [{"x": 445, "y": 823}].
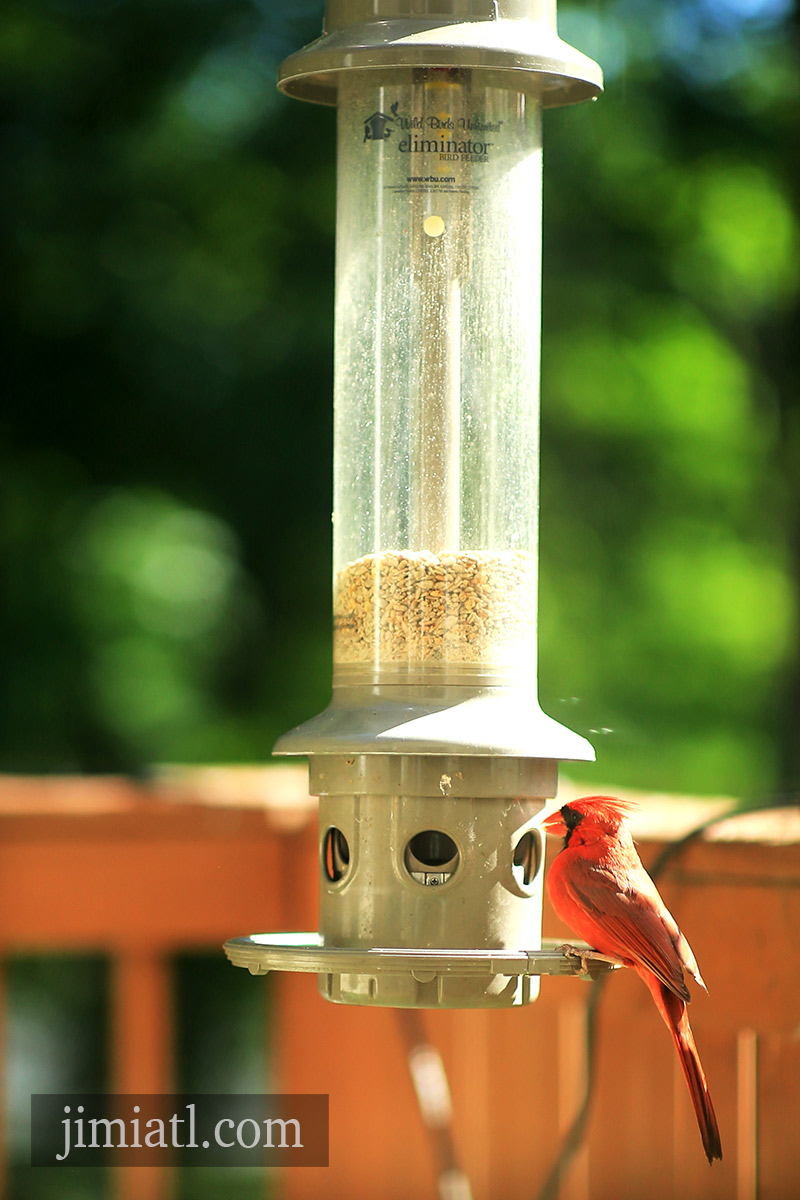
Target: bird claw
[{"x": 586, "y": 956}]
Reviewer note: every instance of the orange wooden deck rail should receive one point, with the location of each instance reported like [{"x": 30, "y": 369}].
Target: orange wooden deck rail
[{"x": 141, "y": 872}]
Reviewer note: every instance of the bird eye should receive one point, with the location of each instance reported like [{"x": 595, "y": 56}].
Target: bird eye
[{"x": 572, "y": 818}]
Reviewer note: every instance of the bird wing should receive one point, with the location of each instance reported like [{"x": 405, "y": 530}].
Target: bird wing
[{"x": 628, "y": 919}]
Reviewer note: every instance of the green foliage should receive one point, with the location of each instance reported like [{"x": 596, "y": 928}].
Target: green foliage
[
  {"x": 669, "y": 590},
  {"x": 165, "y": 448},
  {"x": 169, "y": 233}
]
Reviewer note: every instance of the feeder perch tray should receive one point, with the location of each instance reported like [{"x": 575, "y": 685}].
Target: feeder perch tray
[{"x": 264, "y": 952}]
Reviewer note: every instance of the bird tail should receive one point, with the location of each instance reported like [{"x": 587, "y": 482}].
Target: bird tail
[
  {"x": 673, "y": 1010},
  {"x": 698, "y": 1090}
]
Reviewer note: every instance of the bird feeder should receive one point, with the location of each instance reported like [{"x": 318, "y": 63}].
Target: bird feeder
[{"x": 433, "y": 761}]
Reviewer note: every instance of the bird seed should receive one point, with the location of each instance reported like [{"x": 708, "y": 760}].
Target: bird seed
[{"x": 469, "y": 606}]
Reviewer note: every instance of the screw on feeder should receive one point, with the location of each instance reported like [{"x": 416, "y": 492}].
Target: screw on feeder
[{"x": 433, "y": 761}]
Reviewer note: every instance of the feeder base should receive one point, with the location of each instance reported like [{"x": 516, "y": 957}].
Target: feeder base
[{"x": 399, "y": 978}]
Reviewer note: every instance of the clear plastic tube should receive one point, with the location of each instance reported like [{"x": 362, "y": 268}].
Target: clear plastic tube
[{"x": 437, "y": 378}]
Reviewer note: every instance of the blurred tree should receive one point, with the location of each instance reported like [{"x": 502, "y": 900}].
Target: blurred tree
[
  {"x": 169, "y": 230},
  {"x": 669, "y": 597},
  {"x": 165, "y": 452}
]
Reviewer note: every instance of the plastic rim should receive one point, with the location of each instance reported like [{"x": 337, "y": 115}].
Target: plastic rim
[{"x": 263, "y": 952}]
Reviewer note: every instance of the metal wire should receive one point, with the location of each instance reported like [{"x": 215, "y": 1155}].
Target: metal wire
[{"x": 433, "y": 1097}]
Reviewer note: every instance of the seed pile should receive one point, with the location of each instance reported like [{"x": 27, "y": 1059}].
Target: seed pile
[{"x": 471, "y": 606}]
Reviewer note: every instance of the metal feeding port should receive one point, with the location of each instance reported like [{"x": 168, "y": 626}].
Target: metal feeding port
[
  {"x": 433, "y": 762},
  {"x": 431, "y": 857}
]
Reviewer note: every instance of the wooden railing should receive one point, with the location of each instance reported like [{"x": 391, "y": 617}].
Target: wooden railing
[{"x": 142, "y": 872}]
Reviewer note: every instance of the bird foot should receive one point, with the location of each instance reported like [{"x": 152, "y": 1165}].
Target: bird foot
[{"x": 587, "y": 956}]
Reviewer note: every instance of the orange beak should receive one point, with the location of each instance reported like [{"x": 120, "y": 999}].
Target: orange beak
[{"x": 555, "y": 824}]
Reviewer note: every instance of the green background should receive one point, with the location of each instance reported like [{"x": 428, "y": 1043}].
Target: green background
[{"x": 165, "y": 448}]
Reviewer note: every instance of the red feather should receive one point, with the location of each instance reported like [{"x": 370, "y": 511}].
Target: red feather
[{"x": 598, "y": 886}]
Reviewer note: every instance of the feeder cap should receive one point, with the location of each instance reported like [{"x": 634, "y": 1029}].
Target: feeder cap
[{"x": 515, "y": 39}]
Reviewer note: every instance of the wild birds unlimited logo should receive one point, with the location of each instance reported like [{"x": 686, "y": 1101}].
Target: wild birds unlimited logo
[
  {"x": 379, "y": 126},
  {"x": 450, "y": 138}
]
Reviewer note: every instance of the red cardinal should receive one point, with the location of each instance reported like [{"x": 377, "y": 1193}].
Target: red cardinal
[{"x": 598, "y": 886}]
